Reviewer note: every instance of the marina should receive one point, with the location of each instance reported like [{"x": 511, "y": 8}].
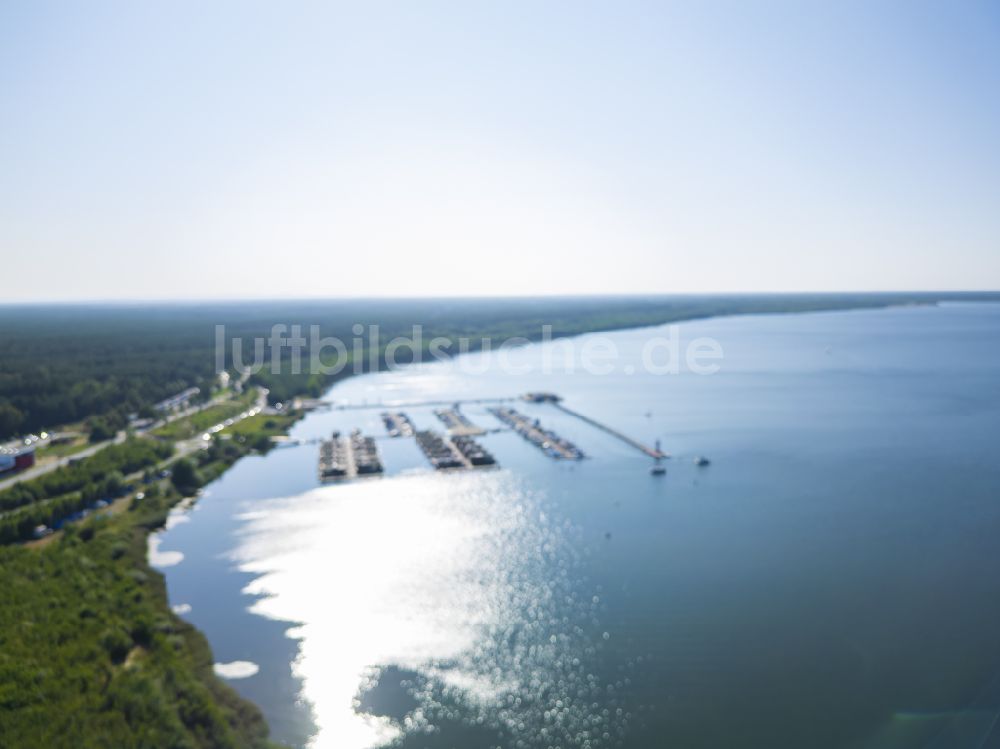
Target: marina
[{"x": 358, "y": 455}]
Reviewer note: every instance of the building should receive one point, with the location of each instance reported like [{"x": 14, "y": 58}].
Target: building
[
  {"x": 17, "y": 460},
  {"x": 176, "y": 402}
]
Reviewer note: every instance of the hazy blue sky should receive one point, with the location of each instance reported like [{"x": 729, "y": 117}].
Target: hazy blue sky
[{"x": 177, "y": 150}]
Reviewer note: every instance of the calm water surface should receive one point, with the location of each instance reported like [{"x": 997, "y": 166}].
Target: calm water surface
[{"x": 831, "y": 580}]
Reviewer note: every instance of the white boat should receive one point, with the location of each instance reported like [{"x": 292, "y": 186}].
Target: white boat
[{"x": 657, "y": 469}]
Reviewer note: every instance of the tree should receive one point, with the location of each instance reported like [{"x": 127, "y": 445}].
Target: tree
[
  {"x": 10, "y": 419},
  {"x": 185, "y": 476},
  {"x": 100, "y": 430}
]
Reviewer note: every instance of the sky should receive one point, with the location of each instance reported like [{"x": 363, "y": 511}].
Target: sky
[{"x": 188, "y": 150}]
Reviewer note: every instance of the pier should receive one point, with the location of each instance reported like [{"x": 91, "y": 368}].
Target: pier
[
  {"x": 392, "y": 405},
  {"x": 457, "y": 423},
  {"x": 652, "y": 452}
]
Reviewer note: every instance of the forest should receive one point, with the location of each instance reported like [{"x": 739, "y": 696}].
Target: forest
[{"x": 92, "y": 655}]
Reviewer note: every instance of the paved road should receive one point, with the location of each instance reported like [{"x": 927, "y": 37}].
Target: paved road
[{"x": 41, "y": 470}]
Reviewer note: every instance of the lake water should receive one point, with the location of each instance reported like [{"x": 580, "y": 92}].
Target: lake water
[{"x": 832, "y": 579}]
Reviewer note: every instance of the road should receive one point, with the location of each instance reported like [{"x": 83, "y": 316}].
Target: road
[
  {"x": 42, "y": 469},
  {"x": 185, "y": 449}
]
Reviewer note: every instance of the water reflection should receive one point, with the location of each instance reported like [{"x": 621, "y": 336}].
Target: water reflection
[{"x": 461, "y": 603}]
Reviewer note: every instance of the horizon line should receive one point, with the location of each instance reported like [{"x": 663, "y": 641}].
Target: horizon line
[{"x": 181, "y": 301}]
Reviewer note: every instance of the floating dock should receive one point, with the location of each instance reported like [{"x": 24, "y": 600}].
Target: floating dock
[
  {"x": 335, "y": 459},
  {"x": 349, "y": 457},
  {"x": 398, "y": 424},
  {"x": 457, "y": 423},
  {"x": 473, "y": 452},
  {"x": 445, "y": 454},
  {"x": 545, "y": 440},
  {"x": 364, "y": 451}
]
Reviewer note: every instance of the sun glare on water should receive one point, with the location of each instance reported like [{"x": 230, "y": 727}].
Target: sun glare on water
[{"x": 462, "y": 580}]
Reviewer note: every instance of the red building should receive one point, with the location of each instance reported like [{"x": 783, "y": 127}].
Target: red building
[{"x": 17, "y": 460}]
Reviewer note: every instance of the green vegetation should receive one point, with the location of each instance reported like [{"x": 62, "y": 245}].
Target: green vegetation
[
  {"x": 68, "y": 363},
  {"x": 90, "y": 653},
  {"x": 91, "y": 656},
  {"x": 267, "y": 425},
  {"x": 48, "y": 499},
  {"x": 197, "y": 423},
  {"x": 63, "y": 449},
  {"x": 88, "y": 474},
  {"x": 185, "y": 476}
]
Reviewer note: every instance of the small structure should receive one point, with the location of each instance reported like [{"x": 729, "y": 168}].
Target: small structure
[
  {"x": 176, "y": 402},
  {"x": 541, "y": 397},
  {"x": 16, "y": 459}
]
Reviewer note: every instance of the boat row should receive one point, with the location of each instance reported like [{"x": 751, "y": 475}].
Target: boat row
[
  {"x": 365, "y": 453},
  {"x": 458, "y": 452},
  {"x": 473, "y": 452},
  {"x": 345, "y": 457},
  {"x": 334, "y": 458},
  {"x": 457, "y": 423},
  {"x": 398, "y": 424},
  {"x": 544, "y": 439}
]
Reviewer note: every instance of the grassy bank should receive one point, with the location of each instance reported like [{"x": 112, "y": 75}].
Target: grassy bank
[{"x": 196, "y": 423}]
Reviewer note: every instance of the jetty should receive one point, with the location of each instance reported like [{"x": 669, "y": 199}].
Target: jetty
[
  {"x": 393, "y": 405},
  {"x": 653, "y": 452}
]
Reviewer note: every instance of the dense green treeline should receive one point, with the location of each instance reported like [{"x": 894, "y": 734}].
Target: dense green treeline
[
  {"x": 91, "y": 656},
  {"x": 65, "y": 363},
  {"x": 90, "y": 653}
]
